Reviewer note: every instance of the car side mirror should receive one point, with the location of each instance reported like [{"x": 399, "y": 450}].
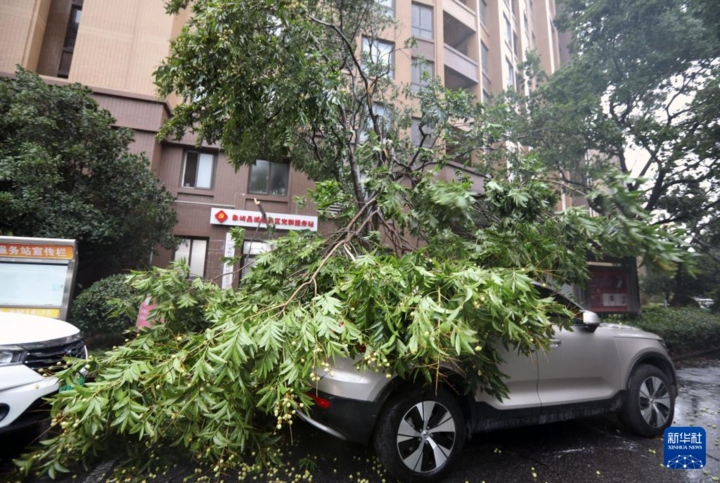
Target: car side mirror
[{"x": 590, "y": 320}]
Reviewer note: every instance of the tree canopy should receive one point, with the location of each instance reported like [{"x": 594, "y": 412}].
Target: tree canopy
[
  {"x": 419, "y": 275},
  {"x": 66, "y": 172},
  {"x": 641, "y": 95}
]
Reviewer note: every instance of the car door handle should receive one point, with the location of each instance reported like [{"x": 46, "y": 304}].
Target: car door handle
[{"x": 555, "y": 343}]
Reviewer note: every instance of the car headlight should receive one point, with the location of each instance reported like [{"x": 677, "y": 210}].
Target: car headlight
[{"x": 11, "y": 354}]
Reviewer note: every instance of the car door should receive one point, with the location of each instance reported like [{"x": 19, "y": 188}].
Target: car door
[
  {"x": 580, "y": 365},
  {"x": 522, "y": 380}
]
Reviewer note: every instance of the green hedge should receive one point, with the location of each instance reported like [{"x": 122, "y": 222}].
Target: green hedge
[
  {"x": 685, "y": 330},
  {"x": 92, "y": 311}
]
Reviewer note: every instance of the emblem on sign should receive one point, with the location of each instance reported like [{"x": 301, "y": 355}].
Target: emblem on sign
[{"x": 221, "y": 216}]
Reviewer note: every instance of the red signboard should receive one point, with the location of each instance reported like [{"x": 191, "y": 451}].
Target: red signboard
[{"x": 609, "y": 290}]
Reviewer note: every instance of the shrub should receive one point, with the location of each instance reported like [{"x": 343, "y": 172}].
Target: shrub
[
  {"x": 93, "y": 311},
  {"x": 685, "y": 330}
]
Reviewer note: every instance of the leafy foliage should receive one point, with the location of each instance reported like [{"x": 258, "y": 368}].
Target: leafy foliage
[
  {"x": 641, "y": 95},
  {"x": 206, "y": 379},
  {"x": 93, "y": 311},
  {"x": 685, "y": 330},
  {"x": 66, "y": 172},
  {"x": 421, "y": 275}
]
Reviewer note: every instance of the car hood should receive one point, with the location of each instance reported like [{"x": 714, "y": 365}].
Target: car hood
[
  {"x": 627, "y": 331},
  {"x": 18, "y": 329}
]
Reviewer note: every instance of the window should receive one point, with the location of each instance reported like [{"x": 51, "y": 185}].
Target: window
[
  {"x": 198, "y": 170},
  {"x": 508, "y": 31},
  {"x": 384, "y": 119},
  {"x": 383, "y": 116},
  {"x": 250, "y": 252},
  {"x": 194, "y": 252},
  {"x": 73, "y": 27},
  {"x": 69, "y": 44},
  {"x": 422, "y": 72},
  {"x": 485, "y": 58},
  {"x": 516, "y": 45},
  {"x": 268, "y": 178},
  {"x": 379, "y": 53},
  {"x": 389, "y": 6},
  {"x": 527, "y": 24},
  {"x": 513, "y": 3},
  {"x": 510, "y": 74},
  {"x": 560, "y": 299},
  {"x": 483, "y": 12},
  {"x": 416, "y": 135},
  {"x": 422, "y": 21},
  {"x": 486, "y": 95}
]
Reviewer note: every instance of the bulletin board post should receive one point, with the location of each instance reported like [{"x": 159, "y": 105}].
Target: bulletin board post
[{"x": 37, "y": 275}]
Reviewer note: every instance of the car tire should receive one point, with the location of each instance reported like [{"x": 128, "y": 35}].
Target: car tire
[
  {"x": 420, "y": 435},
  {"x": 650, "y": 403}
]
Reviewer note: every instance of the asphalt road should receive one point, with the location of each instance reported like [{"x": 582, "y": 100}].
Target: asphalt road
[{"x": 589, "y": 450}]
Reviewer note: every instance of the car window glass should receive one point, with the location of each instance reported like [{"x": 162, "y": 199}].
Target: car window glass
[{"x": 560, "y": 299}]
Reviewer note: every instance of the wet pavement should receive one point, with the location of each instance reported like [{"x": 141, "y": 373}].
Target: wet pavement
[{"x": 589, "y": 450}]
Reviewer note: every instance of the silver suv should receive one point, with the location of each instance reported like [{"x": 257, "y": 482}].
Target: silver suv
[{"x": 419, "y": 433}]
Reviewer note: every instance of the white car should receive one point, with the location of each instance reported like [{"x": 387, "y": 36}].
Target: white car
[
  {"x": 27, "y": 345},
  {"x": 419, "y": 432}
]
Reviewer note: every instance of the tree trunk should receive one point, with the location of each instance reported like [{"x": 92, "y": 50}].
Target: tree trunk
[{"x": 679, "y": 297}]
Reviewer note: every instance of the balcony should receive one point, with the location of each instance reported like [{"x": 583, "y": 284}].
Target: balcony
[
  {"x": 460, "y": 70},
  {"x": 461, "y": 12},
  {"x": 460, "y": 47}
]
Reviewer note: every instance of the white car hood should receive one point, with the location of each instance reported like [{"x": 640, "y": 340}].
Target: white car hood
[
  {"x": 25, "y": 329},
  {"x": 628, "y": 331}
]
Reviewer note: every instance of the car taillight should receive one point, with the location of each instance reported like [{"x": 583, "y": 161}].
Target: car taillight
[{"x": 320, "y": 401}]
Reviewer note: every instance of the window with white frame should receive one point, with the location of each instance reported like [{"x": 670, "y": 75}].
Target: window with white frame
[
  {"x": 389, "y": 6},
  {"x": 379, "y": 53},
  {"x": 251, "y": 250},
  {"x": 194, "y": 252},
  {"x": 422, "y": 21},
  {"x": 485, "y": 58},
  {"x": 508, "y": 30},
  {"x": 421, "y": 74},
  {"x": 268, "y": 178},
  {"x": 198, "y": 170},
  {"x": 510, "y": 74},
  {"x": 417, "y": 136},
  {"x": 384, "y": 118}
]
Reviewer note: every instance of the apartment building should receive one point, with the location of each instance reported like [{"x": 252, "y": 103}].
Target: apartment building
[{"x": 114, "y": 47}]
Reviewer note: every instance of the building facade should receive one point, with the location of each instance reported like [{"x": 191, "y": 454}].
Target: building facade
[{"x": 114, "y": 47}]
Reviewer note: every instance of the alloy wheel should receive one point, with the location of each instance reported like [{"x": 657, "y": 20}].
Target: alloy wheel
[
  {"x": 654, "y": 401},
  {"x": 426, "y": 436}
]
